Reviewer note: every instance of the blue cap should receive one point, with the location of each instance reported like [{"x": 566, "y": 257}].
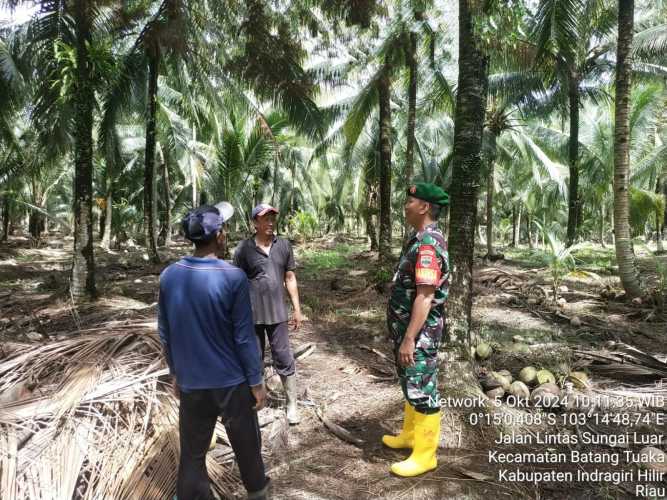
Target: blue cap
[
  {"x": 204, "y": 222},
  {"x": 262, "y": 209}
]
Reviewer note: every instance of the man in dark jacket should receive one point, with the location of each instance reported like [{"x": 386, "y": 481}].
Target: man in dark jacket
[{"x": 206, "y": 328}]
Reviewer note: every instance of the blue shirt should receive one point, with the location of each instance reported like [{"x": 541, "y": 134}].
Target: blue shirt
[{"x": 205, "y": 325}]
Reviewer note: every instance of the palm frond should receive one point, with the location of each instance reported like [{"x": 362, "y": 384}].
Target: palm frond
[
  {"x": 556, "y": 28},
  {"x": 364, "y": 104},
  {"x": 651, "y": 166},
  {"x": 650, "y": 45}
]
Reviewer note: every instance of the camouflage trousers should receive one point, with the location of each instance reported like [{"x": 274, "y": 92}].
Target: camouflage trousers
[{"x": 420, "y": 381}]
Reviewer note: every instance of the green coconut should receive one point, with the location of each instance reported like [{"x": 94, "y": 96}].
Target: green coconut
[
  {"x": 504, "y": 381},
  {"x": 578, "y": 379},
  {"x": 519, "y": 390},
  {"x": 484, "y": 350},
  {"x": 528, "y": 375},
  {"x": 544, "y": 377}
]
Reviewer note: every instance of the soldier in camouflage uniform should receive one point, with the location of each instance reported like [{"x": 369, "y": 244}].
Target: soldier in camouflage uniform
[{"x": 415, "y": 317}]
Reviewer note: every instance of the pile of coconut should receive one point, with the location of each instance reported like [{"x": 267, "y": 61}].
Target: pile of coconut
[{"x": 538, "y": 385}]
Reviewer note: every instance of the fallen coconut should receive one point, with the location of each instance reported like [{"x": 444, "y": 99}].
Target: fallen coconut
[
  {"x": 519, "y": 347},
  {"x": 528, "y": 375},
  {"x": 507, "y": 374},
  {"x": 519, "y": 390},
  {"x": 504, "y": 381},
  {"x": 653, "y": 458},
  {"x": 546, "y": 396},
  {"x": 483, "y": 350},
  {"x": 551, "y": 387},
  {"x": 496, "y": 393},
  {"x": 544, "y": 377},
  {"x": 578, "y": 379},
  {"x": 491, "y": 381}
]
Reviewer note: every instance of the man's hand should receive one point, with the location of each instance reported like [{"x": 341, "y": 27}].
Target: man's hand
[
  {"x": 406, "y": 353},
  {"x": 296, "y": 320},
  {"x": 259, "y": 392}
]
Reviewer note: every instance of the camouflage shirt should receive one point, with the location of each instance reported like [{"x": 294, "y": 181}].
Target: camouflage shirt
[{"x": 425, "y": 262}]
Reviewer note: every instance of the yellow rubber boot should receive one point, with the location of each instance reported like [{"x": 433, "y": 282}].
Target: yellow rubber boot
[
  {"x": 406, "y": 438},
  {"x": 422, "y": 459}
]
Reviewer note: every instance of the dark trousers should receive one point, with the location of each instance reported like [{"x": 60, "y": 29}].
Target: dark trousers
[
  {"x": 198, "y": 412},
  {"x": 281, "y": 352}
]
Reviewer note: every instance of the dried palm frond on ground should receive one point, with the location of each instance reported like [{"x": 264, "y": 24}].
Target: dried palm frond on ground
[
  {"x": 93, "y": 420},
  {"x": 623, "y": 361}
]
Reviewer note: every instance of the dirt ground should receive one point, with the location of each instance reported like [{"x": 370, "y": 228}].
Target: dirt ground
[{"x": 348, "y": 378}]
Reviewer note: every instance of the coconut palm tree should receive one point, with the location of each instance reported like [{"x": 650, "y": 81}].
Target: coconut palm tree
[
  {"x": 572, "y": 42},
  {"x": 468, "y": 129},
  {"x": 627, "y": 266}
]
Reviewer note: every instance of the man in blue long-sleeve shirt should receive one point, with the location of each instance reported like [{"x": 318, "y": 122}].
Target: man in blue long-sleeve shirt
[{"x": 207, "y": 330}]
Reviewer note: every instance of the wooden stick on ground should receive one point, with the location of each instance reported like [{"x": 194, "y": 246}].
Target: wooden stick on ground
[
  {"x": 337, "y": 430},
  {"x": 375, "y": 351}
]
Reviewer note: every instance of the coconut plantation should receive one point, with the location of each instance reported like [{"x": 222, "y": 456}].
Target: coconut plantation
[{"x": 333, "y": 249}]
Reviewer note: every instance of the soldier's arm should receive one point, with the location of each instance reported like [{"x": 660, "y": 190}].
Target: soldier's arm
[
  {"x": 420, "y": 309},
  {"x": 427, "y": 276}
]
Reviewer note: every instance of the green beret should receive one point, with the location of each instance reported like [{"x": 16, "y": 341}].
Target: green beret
[{"x": 429, "y": 192}]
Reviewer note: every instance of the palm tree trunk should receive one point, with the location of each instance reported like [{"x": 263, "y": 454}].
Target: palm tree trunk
[
  {"x": 627, "y": 267},
  {"x": 5, "y": 218},
  {"x": 516, "y": 225},
  {"x": 573, "y": 160},
  {"x": 601, "y": 226},
  {"x": 658, "y": 219},
  {"x": 150, "y": 216},
  {"x": 664, "y": 218},
  {"x": 275, "y": 180},
  {"x": 468, "y": 127},
  {"x": 166, "y": 187},
  {"x": 83, "y": 262},
  {"x": 368, "y": 211},
  {"x": 193, "y": 172},
  {"x": 489, "y": 195},
  {"x": 529, "y": 230},
  {"x": 108, "y": 210},
  {"x": 291, "y": 196},
  {"x": 36, "y": 218},
  {"x": 105, "y": 229},
  {"x": 385, "y": 168},
  {"x": 412, "y": 114},
  {"x": 412, "y": 109}
]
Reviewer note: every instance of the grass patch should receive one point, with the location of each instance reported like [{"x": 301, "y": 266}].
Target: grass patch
[
  {"x": 595, "y": 258},
  {"x": 315, "y": 260},
  {"x": 590, "y": 257},
  {"x": 527, "y": 257}
]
